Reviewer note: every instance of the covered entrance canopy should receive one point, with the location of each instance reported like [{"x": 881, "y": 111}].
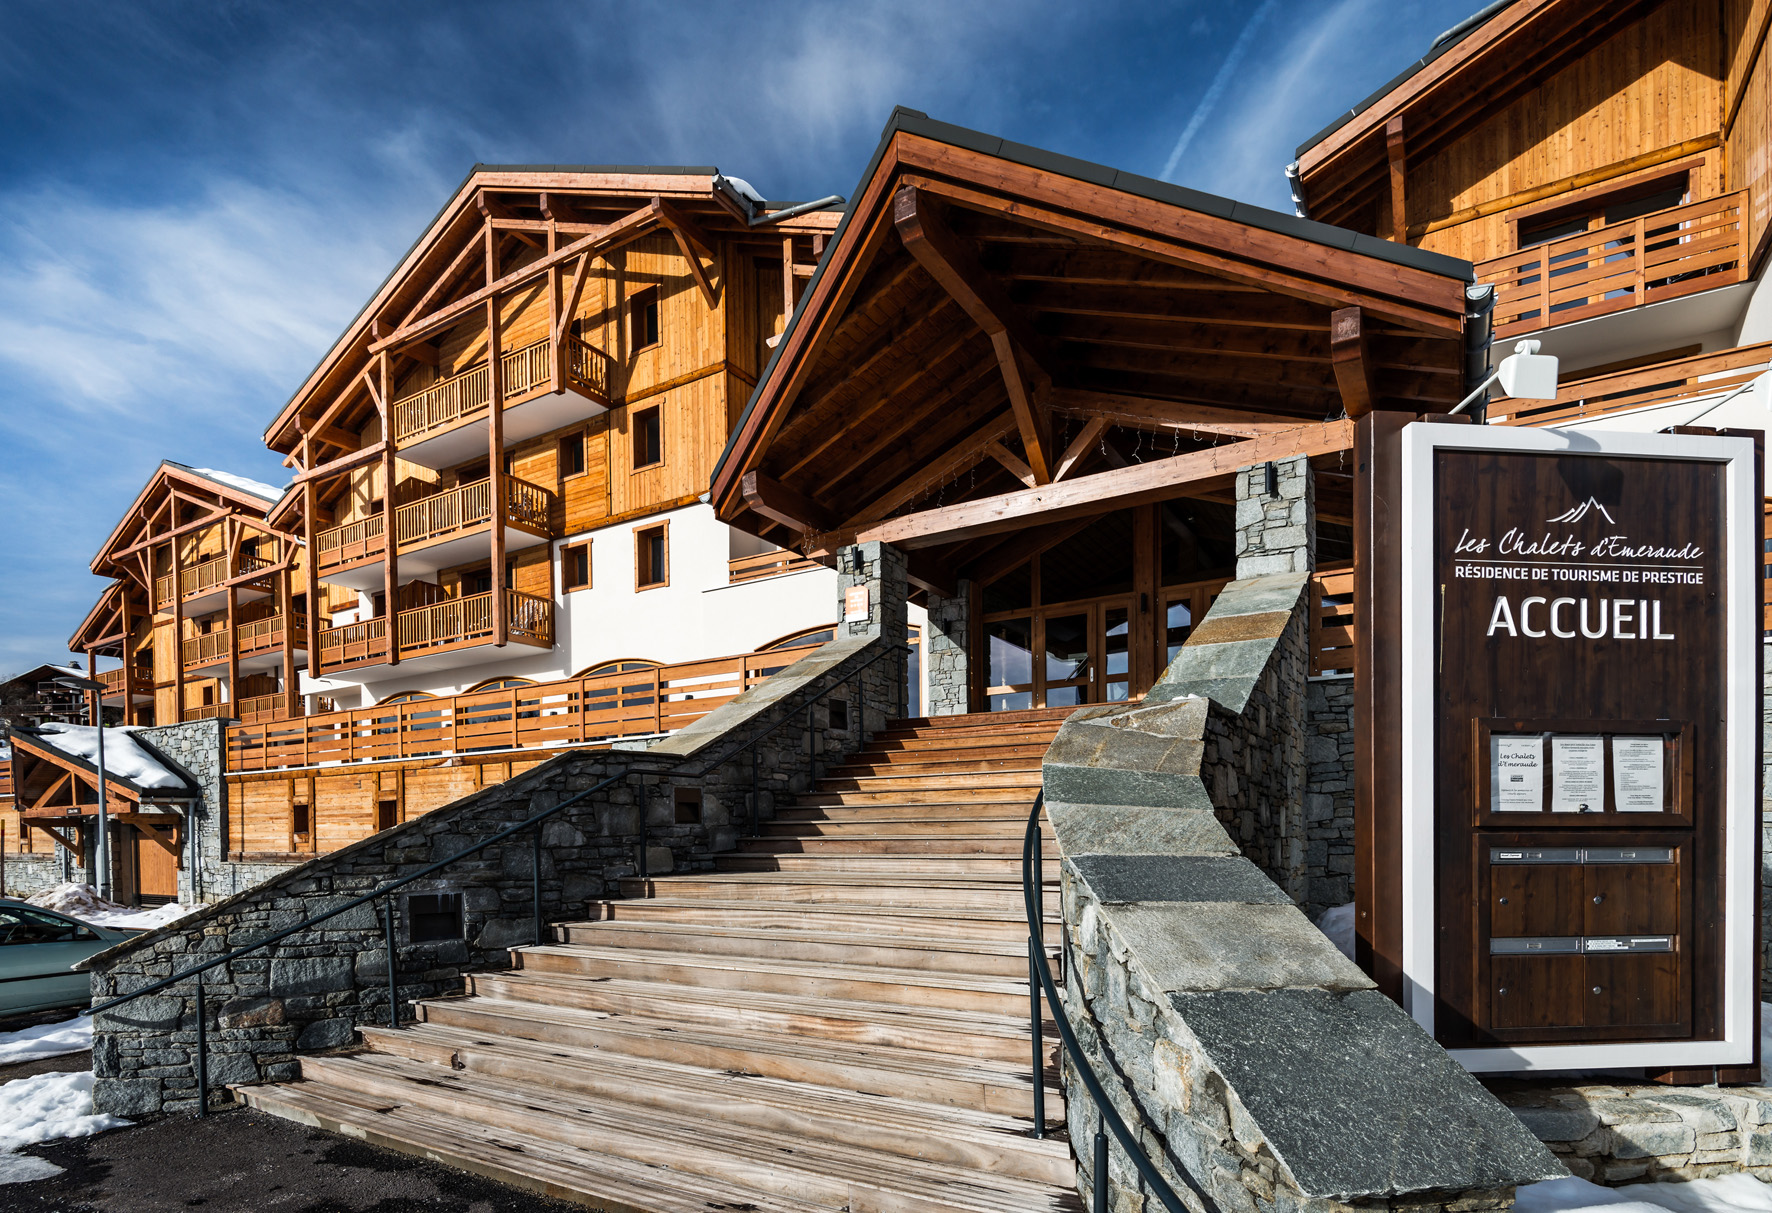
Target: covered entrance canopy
[{"x": 1038, "y": 378}]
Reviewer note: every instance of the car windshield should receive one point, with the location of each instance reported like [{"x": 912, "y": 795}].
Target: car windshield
[{"x": 19, "y": 925}]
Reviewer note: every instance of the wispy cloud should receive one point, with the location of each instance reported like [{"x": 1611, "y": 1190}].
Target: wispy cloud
[{"x": 1233, "y": 58}]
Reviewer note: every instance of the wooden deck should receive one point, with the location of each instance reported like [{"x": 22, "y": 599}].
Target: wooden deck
[
  {"x": 253, "y": 639},
  {"x": 568, "y": 712},
  {"x": 463, "y": 396},
  {"x": 440, "y": 516},
  {"x": 1664, "y": 255},
  {"x": 207, "y": 576}
]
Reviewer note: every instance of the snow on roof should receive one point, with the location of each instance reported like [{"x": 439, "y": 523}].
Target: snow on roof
[
  {"x": 257, "y": 488},
  {"x": 125, "y": 757}
]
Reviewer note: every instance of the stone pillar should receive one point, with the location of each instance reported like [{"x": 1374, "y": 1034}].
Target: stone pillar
[
  {"x": 944, "y": 652},
  {"x": 196, "y": 749},
  {"x": 1276, "y": 518},
  {"x": 879, "y": 570}
]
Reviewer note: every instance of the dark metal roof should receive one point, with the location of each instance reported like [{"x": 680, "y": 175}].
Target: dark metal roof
[{"x": 1441, "y": 45}]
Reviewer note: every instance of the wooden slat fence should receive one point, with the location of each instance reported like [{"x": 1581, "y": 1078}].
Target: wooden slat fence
[
  {"x": 571, "y": 711},
  {"x": 1663, "y": 255},
  {"x": 766, "y": 564},
  {"x": 1332, "y": 622},
  {"x": 1663, "y": 383}
]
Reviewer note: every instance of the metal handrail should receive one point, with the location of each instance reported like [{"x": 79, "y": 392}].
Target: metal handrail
[
  {"x": 1040, "y": 978},
  {"x": 532, "y": 822}
]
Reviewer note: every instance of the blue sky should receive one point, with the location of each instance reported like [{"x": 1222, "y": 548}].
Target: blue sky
[{"x": 196, "y": 197}]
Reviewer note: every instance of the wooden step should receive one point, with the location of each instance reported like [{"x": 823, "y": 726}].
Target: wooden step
[
  {"x": 1004, "y": 867},
  {"x": 983, "y": 1084},
  {"x": 909, "y": 762},
  {"x": 761, "y": 1159},
  {"x": 821, "y": 795},
  {"x": 936, "y": 954},
  {"x": 963, "y": 781},
  {"x": 605, "y": 1182},
  {"x": 930, "y": 1029},
  {"x": 969, "y": 843},
  {"x": 843, "y": 826},
  {"x": 953, "y": 891},
  {"x": 958, "y": 810},
  {"x": 903, "y": 1130},
  {"x": 879, "y": 921},
  {"x": 814, "y": 979}
]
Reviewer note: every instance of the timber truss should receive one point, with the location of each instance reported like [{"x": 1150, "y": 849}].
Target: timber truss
[{"x": 56, "y": 792}]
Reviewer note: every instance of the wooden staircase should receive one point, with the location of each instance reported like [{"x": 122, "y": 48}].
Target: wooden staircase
[{"x": 834, "y": 1018}]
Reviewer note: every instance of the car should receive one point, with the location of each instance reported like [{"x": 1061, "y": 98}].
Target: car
[{"x": 38, "y": 949}]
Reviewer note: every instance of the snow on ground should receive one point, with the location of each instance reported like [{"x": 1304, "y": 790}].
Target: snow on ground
[
  {"x": 124, "y": 756},
  {"x": 83, "y": 902},
  {"x": 46, "y": 1040},
  {"x": 1337, "y": 922},
  {"x": 257, "y": 488},
  {"x": 1736, "y": 1193},
  {"x": 45, "y": 1107}
]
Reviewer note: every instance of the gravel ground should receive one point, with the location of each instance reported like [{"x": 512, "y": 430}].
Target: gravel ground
[{"x": 241, "y": 1161}]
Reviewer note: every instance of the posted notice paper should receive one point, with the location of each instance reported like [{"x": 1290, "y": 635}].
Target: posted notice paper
[
  {"x": 1516, "y": 774},
  {"x": 1636, "y": 774},
  {"x": 1578, "y": 774}
]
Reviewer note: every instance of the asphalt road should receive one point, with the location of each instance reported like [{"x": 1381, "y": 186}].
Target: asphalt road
[{"x": 241, "y": 1161}]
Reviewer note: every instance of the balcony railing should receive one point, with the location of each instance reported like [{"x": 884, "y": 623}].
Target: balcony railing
[
  {"x": 435, "y": 517},
  {"x": 255, "y": 709},
  {"x": 464, "y": 395},
  {"x": 338, "y": 546},
  {"x": 1664, "y": 383},
  {"x": 206, "y": 575},
  {"x": 259, "y": 636},
  {"x": 455, "y": 624},
  {"x": 572, "y": 711},
  {"x": 766, "y": 564},
  {"x": 1659, "y": 256},
  {"x": 113, "y": 680}
]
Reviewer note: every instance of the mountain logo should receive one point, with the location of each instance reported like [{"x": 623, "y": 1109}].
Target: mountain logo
[{"x": 1581, "y": 511}]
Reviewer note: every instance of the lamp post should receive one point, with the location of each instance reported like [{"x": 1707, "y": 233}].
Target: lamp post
[{"x": 103, "y": 858}]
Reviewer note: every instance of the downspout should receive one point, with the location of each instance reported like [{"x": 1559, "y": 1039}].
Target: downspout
[
  {"x": 1479, "y": 334},
  {"x": 1295, "y": 183}
]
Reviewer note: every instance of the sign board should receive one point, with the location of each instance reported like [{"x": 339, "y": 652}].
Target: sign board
[
  {"x": 855, "y": 604},
  {"x": 1580, "y": 627}
]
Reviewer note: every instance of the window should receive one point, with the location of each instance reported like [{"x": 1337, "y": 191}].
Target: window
[
  {"x": 648, "y": 437},
  {"x": 572, "y": 455},
  {"x": 431, "y": 917},
  {"x": 575, "y": 566},
  {"x": 822, "y": 635},
  {"x": 652, "y": 553},
  {"x": 510, "y": 463},
  {"x": 387, "y": 815},
  {"x": 688, "y": 806},
  {"x": 839, "y": 710},
  {"x": 1599, "y": 212},
  {"x": 643, "y": 318},
  {"x": 20, "y": 925},
  {"x": 499, "y": 684},
  {"x": 301, "y": 821}
]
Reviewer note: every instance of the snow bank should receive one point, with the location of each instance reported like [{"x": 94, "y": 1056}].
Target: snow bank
[
  {"x": 1725, "y": 1194},
  {"x": 124, "y": 755},
  {"x": 1337, "y": 922},
  {"x": 45, "y": 1107},
  {"x": 46, "y": 1040},
  {"x": 257, "y": 488},
  {"x": 83, "y": 902}
]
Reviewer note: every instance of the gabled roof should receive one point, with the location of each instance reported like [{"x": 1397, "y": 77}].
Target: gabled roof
[
  {"x": 239, "y": 494},
  {"x": 1134, "y": 214},
  {"x": 132, "y": 765}
]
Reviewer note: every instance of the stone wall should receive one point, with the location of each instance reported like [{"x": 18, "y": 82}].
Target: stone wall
[
  {"x": 1626, "y": 1133},
  {"x": 1329, "y": 802},
  {"x": 1251, "y": 1058},
  {"x": 197, "y": 750},
  {"x": 28, "y": 875},
  {"x": 313, "y": 989},
  {"x": 950, "y": 677}
]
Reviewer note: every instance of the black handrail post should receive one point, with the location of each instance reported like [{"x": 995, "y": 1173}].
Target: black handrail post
[
  {"x": 1039, "y": 1039},
  {"x": 756, "y": 808},
  {"x": 640, "y": 799},
  {"x": 1101, "y": 1165},
  {"x": 535, "y": 881},
  {"x": 202, "y": 1052},
  {"x": 387, "y": 932}
]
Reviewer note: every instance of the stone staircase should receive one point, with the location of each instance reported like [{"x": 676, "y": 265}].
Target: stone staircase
[{"x": 834, "y": 1018}]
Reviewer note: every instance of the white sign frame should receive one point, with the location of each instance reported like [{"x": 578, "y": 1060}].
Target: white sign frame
[{"x": 1741, "y": 565}]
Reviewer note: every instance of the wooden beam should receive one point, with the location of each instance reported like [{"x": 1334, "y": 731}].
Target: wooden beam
[
  {"x": 1123, "y": 408},
  {"x": 779, "y": 503},
  {"x": 686, "y": 229},
  {"x": 495, "y": 471},
  {"x": 208, "y": 520},
  {"x": 1079, "y": 447},
  {"x": 1157, "y": 480},
  {"x": 1023, "y": 547},
  {"x": 1006, "y": 457},
  {"x": 1394, "y": 153},
  {"x": 960, "y": 456},
  {"x": 687, "y": 248},
  {"x": 344, "y": 463},
  {"x": 623, "y": 229},
  {"x": 1351, "y": 357},
  {"x": 442, "y": 281},
  {"x": 922, "y": 225}
]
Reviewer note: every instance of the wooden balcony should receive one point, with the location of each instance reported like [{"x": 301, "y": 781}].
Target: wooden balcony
[
  {"x": 1664, "y": 383},
  {"x": 434, "y": 531},
  {"x": 766, "y": 564},
  {"x": 1664, "y": 255},
  {"x": 256, "y": 709},
  {"x": 203, "y": 586},
  {"x": 259, "y": 645},
  {"x": 113, "y": 680},
  {"x": 569, "y": 712},
  {"x": 423, "y": 419},
  {"x": 433, "y": 631}
]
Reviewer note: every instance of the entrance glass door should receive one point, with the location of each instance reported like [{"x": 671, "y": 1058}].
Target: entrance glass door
[{"x": 1060, "y": 656}]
